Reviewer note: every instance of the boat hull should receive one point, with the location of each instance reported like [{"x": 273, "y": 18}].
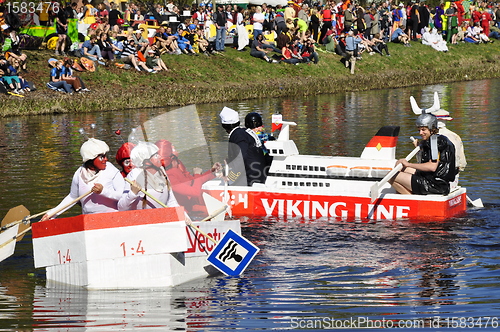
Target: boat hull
[
  {"x": 262, "y": 201},
  {"x": 131, "y": 249}
]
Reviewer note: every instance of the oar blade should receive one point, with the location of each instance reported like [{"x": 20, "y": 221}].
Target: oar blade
[
  {"x": 475, "y": 203},
  {"x": 374, "y": 192},
  {"x": 213, "y": 205},
  {"x": 17, "y": 213},
  {"x": 8, "y": 242}
]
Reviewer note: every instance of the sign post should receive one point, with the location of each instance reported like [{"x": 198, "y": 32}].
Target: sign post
[{"x": 232, "y": 254}]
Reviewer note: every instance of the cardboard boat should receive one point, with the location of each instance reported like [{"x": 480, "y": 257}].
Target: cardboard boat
[
  {"x": 312, "y": 186},
  {"x": 131, "y": 249}
]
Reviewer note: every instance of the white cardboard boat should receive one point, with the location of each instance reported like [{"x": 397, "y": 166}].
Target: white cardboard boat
[
  {"x": 131, "y": 249},
  {"x": 314, "y": 186}
]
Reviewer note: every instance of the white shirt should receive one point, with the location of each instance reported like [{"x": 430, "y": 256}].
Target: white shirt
[
  {"x": 107, "y": 201},
  {"x": 258, "y": 25},
  {"x": 156, "y": 186}
]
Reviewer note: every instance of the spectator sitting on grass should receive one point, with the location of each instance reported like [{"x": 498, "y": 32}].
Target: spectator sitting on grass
[
  {"x": 67, "y": 76},
  {"x": 106, "y": 47},
  {"x": 173, "y": 46},
  {"x": 309, "y": 51},
  {"x": 16, "y": 66},
  {"x": 117, "y": 44},
  {"x": 258, "y": 49},
  {"x": 154, "y": 61},
  {"x": 13, "y": 51},
  {"x": 91, "y": 50},
  {"x": 287, "y": 54},
  {"x": 141, "y": 43},
  {"x": 202, "y": 45},
  {"x": 380, "y": 45},
  {"x": 398, "y": 36},
  {"x": 129, "y": 56},
  {"x": 56, "y": 81},
  {"x": 184, "y": 43},
  {"x": 7, "y": 76}
]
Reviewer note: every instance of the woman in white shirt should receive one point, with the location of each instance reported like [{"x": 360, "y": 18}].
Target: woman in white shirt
[{"x": 258, "y": 21}]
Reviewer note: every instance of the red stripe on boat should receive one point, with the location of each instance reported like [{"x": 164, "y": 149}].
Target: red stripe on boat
[
  {"x": 384, "y": 141},
  {"x": 87, "y": 222}
]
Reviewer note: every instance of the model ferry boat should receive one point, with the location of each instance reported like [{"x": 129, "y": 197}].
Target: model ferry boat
[{"x": 312, "y": 186}]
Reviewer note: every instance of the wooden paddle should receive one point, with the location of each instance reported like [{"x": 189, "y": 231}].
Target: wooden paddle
[
  {"x": 26, "y": 229},
  {"x": 17, "y": 215},
  {"x": 188, "y": 220},
  {"x": 375, "y": 189}
]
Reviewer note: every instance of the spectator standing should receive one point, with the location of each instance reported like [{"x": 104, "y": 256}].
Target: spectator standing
[
  {"x": 438, "y": 20},
  {"x": 314, "y": 24},
  {"x": 351, "y": 47},
  {"x": 258, "y": 21},
  {"x": 413, "y": 21},
  {"x": 114, "y": 15},
  {"x": 62, "y": 30},
  {"x": 452, "y": 23},
  {"x": 220, "y": 21},
  {"x": 327, "y": 21},
  {"x": 243, "y": 39},
  {"x": 485, "y": 22}
]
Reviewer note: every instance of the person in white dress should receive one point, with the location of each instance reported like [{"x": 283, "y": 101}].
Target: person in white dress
[{"x": 149, "y": 175}]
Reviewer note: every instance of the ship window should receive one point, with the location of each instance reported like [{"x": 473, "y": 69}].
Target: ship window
[
  {"x": 316, "y": 168},
  {"x": 321, "y": 184},
  {"x": 302, "y": 184},
  {"x": 294, "y": 167},
  {"x": 281, "y": 151},
  {"x": 315, "y": 184},
  {"x": 288, "y": 167},
  {"x": 274, "y": 151},
  {"x": 327, "y": 184},
  {"x": 308, "y": 184},
  {"x": 289, "y": 184},
  {"x": 322, "y": 169},
  {"x": 295, "y": 184},
  {"x": 305, "y": 168},
  {"x": 283, "y": 183},
  {"x": 299, "y": 167},
  {"x": 311, "y": 168}
]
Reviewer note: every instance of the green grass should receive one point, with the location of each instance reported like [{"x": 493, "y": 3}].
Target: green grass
[{"x": 237, "y": 76}]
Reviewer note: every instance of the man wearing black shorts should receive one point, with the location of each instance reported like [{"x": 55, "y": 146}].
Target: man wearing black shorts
[{"x": 437, "y": 163}]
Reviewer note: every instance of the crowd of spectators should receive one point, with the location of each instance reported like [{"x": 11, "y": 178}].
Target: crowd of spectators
[{"x": 292, "y": 34}]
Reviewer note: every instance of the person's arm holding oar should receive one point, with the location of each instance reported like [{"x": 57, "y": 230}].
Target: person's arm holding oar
[
  {"x": 71, "y": 200},
  {"x": 136, "y": 188}
]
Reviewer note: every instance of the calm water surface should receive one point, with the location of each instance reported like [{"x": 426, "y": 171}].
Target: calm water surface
[{"x": 309, "y": 274}]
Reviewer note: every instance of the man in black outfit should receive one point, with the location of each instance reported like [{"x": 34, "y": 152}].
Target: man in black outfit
[
  {"x": 245, "y": 153},
  {"x": 437, "y": 163}
]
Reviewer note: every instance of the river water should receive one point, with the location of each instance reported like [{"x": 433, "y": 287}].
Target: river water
[{"x": 309, "y": 274}]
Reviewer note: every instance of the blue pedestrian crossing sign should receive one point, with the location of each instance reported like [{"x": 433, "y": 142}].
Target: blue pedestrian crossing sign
[{"x": 232, "y": 254}]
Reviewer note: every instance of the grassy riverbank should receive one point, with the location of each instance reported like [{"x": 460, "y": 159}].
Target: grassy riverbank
[{"x": 236, "y": 76}]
